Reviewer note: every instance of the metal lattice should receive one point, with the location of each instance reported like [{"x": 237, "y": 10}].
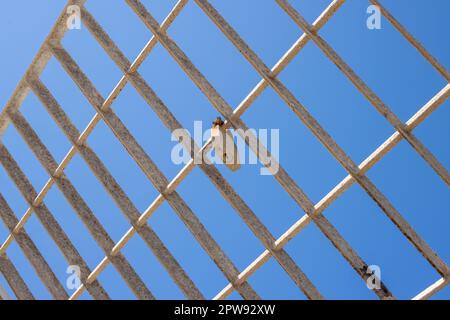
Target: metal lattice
[{"x": 167, "y": 189}]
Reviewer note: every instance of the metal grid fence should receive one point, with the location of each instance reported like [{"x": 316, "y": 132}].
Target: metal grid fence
[{"x": 168, "y": 189}]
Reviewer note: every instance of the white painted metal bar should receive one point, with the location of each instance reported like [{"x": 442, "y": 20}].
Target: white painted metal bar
[{"x": 433, "y": 289}]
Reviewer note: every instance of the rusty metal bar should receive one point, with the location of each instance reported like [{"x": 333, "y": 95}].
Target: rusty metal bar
[{"x": 4, "y": 294}]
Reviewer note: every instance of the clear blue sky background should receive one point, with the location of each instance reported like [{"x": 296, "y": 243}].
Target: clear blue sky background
[{"x": 389, "y": 65}]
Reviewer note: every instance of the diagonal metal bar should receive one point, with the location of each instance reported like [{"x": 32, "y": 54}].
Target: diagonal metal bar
[
  {"x": 81, "y": 208},
  {"x": 153, "y": 173},
  {"x": 433, "y": 289},
  {"x": 370, "y": 95},
  {"x": 4, "y": 294},
  {"x": 32, "y": 253},
  {"x": 344, "y": 185},
  {"x": 287, "y": 58},
  {"x": 325, "y": 139},
  {"x": 324, "y": 225},
  {"x": 49, "y": 222},
  {"x": 441, "y": 97},
  {"x": 116, "y": 192},
  {"x": 416, "y": 44},
  {"x": 15, "y": 281}
]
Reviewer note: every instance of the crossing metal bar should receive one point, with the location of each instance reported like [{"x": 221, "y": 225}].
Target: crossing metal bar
[
  {"x": 4, "y": 294},
  {"x": 413, "y": 41},
  {"x": 14, "y": 279}
]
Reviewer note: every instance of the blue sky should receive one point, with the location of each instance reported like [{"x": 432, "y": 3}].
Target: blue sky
[{"x": 383, "y": 58}]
